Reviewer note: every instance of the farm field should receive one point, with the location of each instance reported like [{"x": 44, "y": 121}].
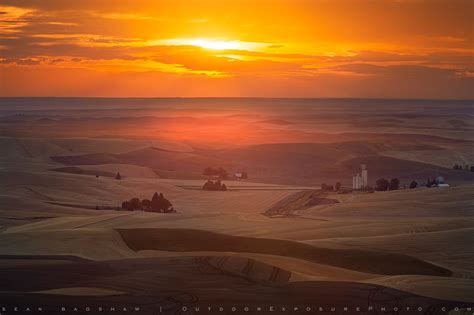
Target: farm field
[{"x": 274, "y": 234}]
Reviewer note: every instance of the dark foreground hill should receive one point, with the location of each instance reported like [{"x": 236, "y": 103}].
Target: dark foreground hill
[{"x": 168, "y": 285}]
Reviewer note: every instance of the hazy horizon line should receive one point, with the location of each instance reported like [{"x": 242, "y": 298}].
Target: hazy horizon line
[{"x": 238, "y": 97}]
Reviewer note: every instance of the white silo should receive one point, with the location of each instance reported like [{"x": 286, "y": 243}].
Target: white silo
[{"x": 364, "y": 176}]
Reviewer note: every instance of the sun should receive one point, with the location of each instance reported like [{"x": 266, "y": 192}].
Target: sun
[
  {"x": 216, "y": 45},
  {"x": 210, "y": 44}
]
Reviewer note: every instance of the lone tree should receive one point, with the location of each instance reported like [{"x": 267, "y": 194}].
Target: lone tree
[
  {"x": 413, "y": 184},
  {"x": 381, "y": 184},
  {"x": 394, "y": 184},
  {"x": 338, "y": 186},
  {"x": 118, "y": 176}
]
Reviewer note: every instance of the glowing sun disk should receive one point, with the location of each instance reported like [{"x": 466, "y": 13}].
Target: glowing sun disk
[
  {"x": 210, "y": 44},
  {"x": 214, "y": 44}
]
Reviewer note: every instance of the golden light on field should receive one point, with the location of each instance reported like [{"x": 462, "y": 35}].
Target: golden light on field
[{"x": 271, "y": 48}]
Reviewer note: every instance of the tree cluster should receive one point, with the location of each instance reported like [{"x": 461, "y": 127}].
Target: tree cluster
[
  {"x": 383, "y": 185},
  {"x": 465, "y": 168},
  {"x": 219, "y": 172},
  {"x": 326, "y": 187},
  {"x": 215, "y": 186},
  {"x": 158, "y": 203},
  {"x": 394, "y": 184}
]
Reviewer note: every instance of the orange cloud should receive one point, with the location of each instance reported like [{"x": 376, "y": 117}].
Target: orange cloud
[{"x": 303, "y": 48}]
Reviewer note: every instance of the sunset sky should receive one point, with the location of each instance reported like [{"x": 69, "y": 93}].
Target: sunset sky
[{"x": 278, "y": 48}]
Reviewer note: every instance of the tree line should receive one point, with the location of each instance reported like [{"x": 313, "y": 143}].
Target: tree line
[
  {"x": 465, "y": 168},
  {"x": 383, "y": 184}
]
